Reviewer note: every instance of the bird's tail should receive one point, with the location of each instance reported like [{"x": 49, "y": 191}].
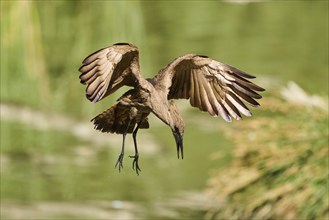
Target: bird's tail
[{"x": 116, "y": 119}]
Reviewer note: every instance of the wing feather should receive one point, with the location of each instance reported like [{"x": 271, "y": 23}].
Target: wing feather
[
  {"x": 248, "y": 84},
  {"x": 181, "y": 88},
  {"x": 187, "y": 85},
  {"x": 245, "y": 97},
  {"x": 211, "y": 86},
  {"x": 211, "y": 103},
  {"x": 192, "y": 91},
  {"x": 196, "y": 93},
  {"x": 234, "y": 112},
  {"x": 204, "y": 97},
  {"x": 238, "y": 103},
  {"x": 107, "y": 69},
  {"x": 246, "y": 90},
  {"x": 94, "y": 56}
]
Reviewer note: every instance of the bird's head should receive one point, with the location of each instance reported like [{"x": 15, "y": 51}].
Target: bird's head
[{"x": 177, "y": 127}]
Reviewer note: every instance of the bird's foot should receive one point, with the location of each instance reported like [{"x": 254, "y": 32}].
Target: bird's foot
[
  {"x": 135, "y": 163},
  {"x": 119, "y": 162}
]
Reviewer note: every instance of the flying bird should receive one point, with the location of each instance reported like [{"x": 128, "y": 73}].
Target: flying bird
[{"x": 210, "y": 85}]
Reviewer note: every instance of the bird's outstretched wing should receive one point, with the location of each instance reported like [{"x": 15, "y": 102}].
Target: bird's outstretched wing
[
  {"x": 210, "y": 85},
  {"x": 107, "y": 69}
]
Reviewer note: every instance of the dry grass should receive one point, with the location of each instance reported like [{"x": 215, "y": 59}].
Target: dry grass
[{"x": 280, "y": 169}]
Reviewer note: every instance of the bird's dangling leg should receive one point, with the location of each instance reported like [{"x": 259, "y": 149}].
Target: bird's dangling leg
[
  {"x": 120, "y": 159},
  {"x": 136, "y": 156}
]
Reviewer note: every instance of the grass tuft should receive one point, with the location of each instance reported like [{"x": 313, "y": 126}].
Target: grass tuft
[{"x": 280, "y": 169}]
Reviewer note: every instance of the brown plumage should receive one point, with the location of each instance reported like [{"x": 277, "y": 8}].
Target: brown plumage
[{"x": 211, "y": 86}]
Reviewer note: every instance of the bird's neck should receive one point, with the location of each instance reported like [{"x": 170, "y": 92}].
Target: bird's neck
[{"x": 167, "y": 112}]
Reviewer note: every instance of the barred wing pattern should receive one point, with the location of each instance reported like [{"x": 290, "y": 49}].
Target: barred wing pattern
[
  {"x": 210, "y": 85},
  {"x": 108, "y": 69}
]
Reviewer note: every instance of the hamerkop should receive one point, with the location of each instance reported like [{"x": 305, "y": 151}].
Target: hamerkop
[{"x": 211, "y": 86}]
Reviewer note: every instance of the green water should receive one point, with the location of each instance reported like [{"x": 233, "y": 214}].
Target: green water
[
  {"x": 40, "y": 166},
  {"x": 43, "y": 44}
]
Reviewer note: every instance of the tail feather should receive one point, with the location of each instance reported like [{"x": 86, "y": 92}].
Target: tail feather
[{"x": 116, "y": 119}]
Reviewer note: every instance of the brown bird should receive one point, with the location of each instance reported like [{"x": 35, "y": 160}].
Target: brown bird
[{"x": 211, "y": 86}]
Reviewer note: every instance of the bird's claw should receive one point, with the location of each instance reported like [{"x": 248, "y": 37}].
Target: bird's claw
[
  {"x": 119, "y": 162},
  {"x": 135, "y": 163}
]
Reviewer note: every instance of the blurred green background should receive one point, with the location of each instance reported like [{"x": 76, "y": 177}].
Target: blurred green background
[{"x": 273, "y": 165}]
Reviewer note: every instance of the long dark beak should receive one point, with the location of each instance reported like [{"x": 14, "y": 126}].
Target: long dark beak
[{"x": 179, "y": 144}]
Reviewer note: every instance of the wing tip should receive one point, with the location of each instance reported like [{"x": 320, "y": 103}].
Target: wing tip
[
  {"x": 248, "y": 114},
  {"x": 80, "y": 69},
  {"x": 88, "y": 59},
  {"x": 261, "y": 89},
  {"x": 121, "y": 43},
  {"x": 226, "y": 117},
  {"x": 202, "y": 56}
]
